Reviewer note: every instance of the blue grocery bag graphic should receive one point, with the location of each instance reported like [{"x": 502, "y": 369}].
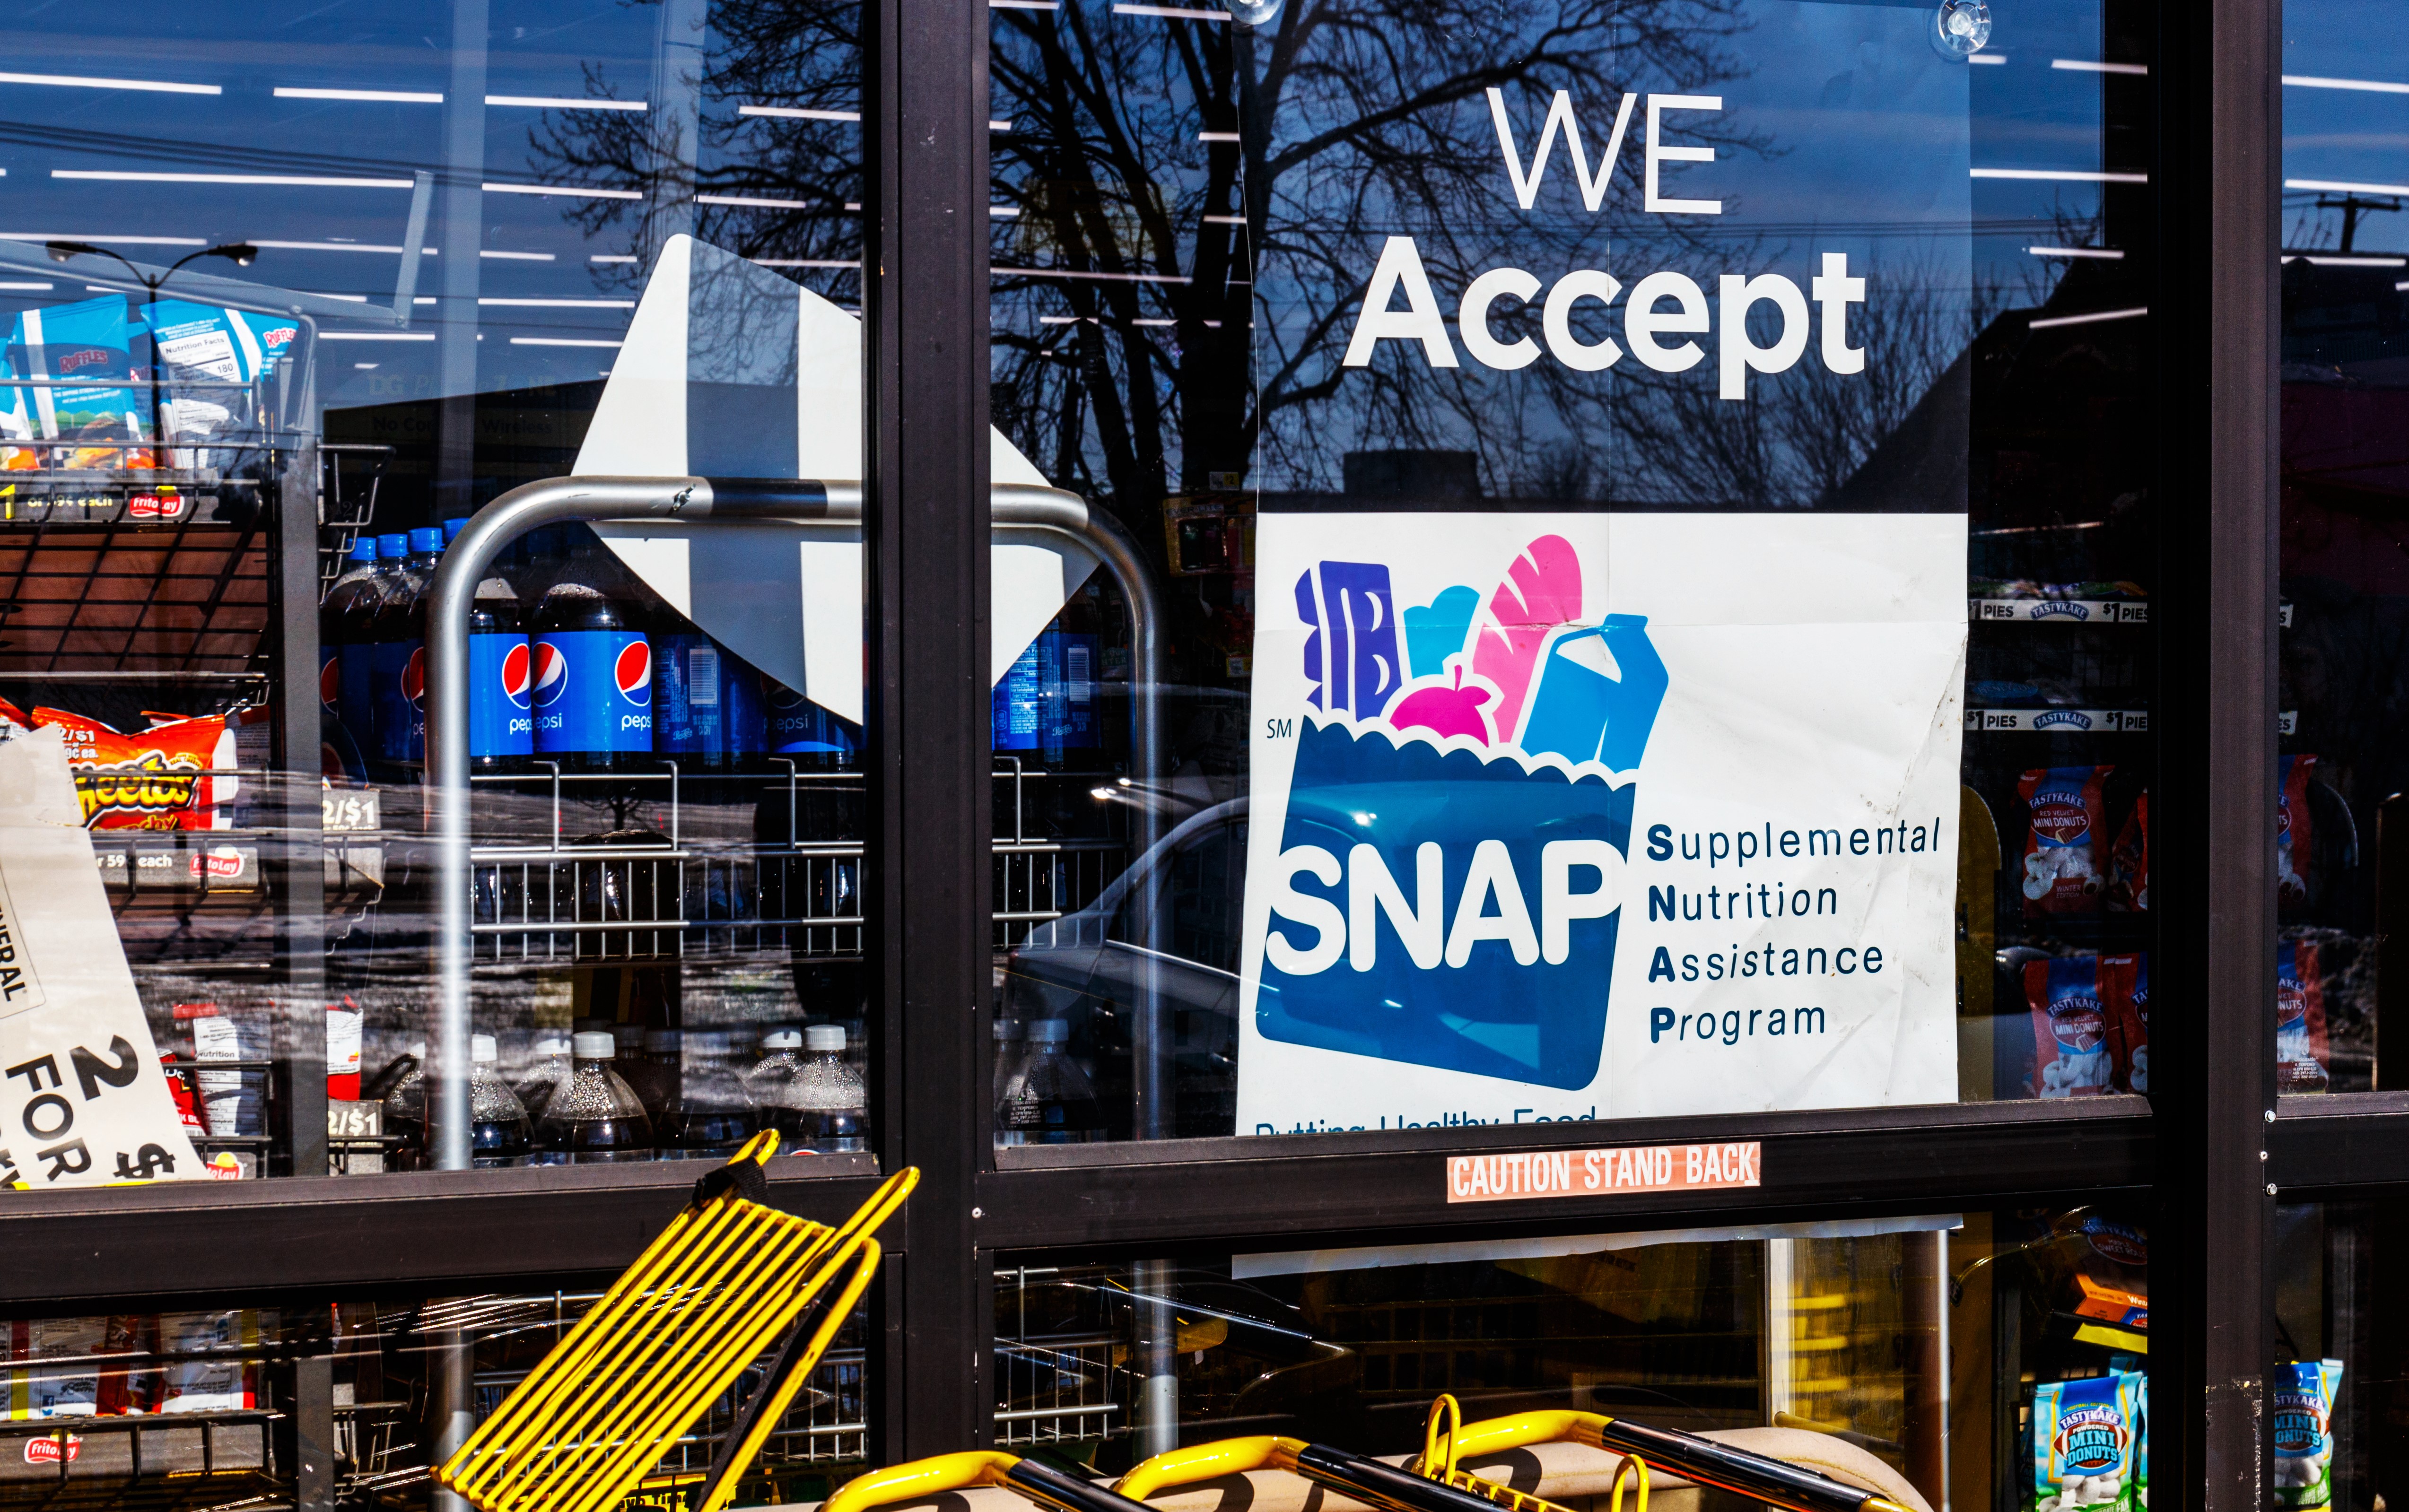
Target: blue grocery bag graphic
[
  {"x": 1472, "y": 904},
  {"x": 1599, "y": 691}
]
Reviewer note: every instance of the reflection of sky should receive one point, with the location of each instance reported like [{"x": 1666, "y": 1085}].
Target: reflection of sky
[
  {"x": 547, "y": 49},
  {"x": 2345, "y": 136}
]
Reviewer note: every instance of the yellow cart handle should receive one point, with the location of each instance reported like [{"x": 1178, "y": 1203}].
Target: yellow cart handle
[
  {"x": 1206, "y": 1461},
  {"x": 934, "y": 1477},
  {"x": 1757, "y": 1476}
]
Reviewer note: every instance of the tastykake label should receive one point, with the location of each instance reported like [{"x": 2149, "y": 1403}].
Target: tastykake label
[{"x": 1603, "y": 1172}]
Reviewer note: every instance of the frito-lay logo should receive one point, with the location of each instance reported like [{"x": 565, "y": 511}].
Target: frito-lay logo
[
  {"x": 52, "y": 1450},
  {"x": 151, "y": 786}
]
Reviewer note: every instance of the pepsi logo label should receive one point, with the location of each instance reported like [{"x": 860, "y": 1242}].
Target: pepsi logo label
[
  {"x": 330, "y": 681},
  {"x": 550, "y": 673},
  {"x": 633, "y": 673},
  {"x": 518, "y": 679},
  {"x": 781, "y": 697},
  {"x": 413, "y": 678}
]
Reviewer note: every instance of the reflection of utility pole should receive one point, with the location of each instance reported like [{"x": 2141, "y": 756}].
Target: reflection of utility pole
[
  {"x": 676, "y": 120},
  {"x": 462, "y": 233},
  {"x": 2350, "y": 206}
]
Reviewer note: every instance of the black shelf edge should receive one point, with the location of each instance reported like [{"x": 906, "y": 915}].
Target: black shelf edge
[{"x": 1270, "y": 1191}]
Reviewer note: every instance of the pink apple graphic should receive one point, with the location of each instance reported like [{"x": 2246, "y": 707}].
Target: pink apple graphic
[{"x": 1444, "y": 710}]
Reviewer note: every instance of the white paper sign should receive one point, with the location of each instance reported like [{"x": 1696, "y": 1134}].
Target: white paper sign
[
  {"x": 1575, "y": 816},
  {"x": 82, "y": 1099}
]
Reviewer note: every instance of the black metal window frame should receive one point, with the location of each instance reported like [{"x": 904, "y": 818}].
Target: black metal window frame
[{"x": 2212, "y": 1151}]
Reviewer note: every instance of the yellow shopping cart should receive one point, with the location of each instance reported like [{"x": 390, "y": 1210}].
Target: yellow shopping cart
[
  {"x": 707, "y": 1298},
  {"x": 1757, "y": 1476}
]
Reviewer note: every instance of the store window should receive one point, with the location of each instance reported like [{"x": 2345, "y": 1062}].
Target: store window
[
  {"x": 2335, "y": 1386},
  {"x": 1617, "y": 563},
  {"x": 2341, "y": 822},
  {"x": 294, "y": 294},
  {"x": 1932, "y": 1360},
  {"x": 199, "y": 1408}
]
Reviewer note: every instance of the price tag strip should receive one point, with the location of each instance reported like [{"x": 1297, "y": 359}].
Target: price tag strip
[
  {"x": 2059, "y": 611},
  {"x": 2059, "y": 721}
]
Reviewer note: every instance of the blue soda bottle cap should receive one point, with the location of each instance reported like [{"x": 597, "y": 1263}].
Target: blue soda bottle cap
[
  {"x": 393, "y": 548},
  {"x": 424, "y": 539},
  {"x": 452, "y": 527},
  {"x": 363, "y": 549}
]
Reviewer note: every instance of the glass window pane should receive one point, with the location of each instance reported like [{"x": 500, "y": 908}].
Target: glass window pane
[
  {"x": 376, "y": 268},
  {"x": 1944, "y": 1361},
  {"x": 1514, "y": 665},
  {"x": 2345, "y": 265},
  {"x": 191, "y": 1410}
]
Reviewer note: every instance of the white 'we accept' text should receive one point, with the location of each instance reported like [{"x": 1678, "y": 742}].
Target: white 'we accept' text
[{"x": 1662, "y": 304}]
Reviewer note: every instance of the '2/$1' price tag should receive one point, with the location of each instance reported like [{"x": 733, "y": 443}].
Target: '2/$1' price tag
[{"x": 83, "y": 1101}]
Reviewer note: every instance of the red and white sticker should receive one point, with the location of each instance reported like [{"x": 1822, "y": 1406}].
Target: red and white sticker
[
  {"x": 1631, "y": 1168},
  {"x": 51, "y": 1450}
]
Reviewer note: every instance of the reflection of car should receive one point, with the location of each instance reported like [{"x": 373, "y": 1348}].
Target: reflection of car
[{"x": 1084, "y": 967}]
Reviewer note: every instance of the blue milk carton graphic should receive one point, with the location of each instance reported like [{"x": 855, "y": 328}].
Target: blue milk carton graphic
[{"x": 1454, "y": 907}]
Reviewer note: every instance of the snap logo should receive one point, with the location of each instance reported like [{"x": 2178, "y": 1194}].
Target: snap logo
[{"x": 1451, "y": 872}]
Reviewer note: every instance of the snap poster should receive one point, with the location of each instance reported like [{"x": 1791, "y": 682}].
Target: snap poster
[{"x": 1597, "y": 815}]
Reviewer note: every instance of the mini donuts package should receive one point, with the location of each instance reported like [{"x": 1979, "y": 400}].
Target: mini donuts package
[
  {"x": 2086, "y": 1442},
  {"x": 2295, "y": 835},
  {"x": 2302, "y": 1059},
  {"x": 2070, "y": 1029},
  {"x": 2128, "y": 862},
  {"x": 159, "y": 779},
  {"x": 2062, "y": 870},
  {"x": 2124, "y": 993},
  {"x": 2305, "y": 1391}
]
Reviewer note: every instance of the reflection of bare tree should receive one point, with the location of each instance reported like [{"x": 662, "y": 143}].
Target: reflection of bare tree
[
  {"x": 1336, "y": 121},
  {"x": 786, "y": 56},
  {"x": 1798, "y": 442}
]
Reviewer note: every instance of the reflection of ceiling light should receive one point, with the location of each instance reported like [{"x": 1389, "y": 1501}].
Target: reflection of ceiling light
[
  {"x": 103, "y": 239},
  {"x": 2109, "y": 253},
  {"x": 553, "y": 102},
  {"x": 2337, "y": 186},
  {"x": 390, "y": 97},
  {"x": 376, "y": 336},
  {"x": 2087, "y": 66},
  {"x": 2079, "y": 176},
  {"x": 789, "y": 112},
  {"x": 288, "y": 180},
  {"x": 155, "y": 86},
  {"x": 2314, "y": 261},
  {"x": 2369, "y": 85},
  {"x": 2090, "y": 319},
  {"x": 555, "y": 341},
  {"x": 340, "y": 245},
  {"x": 746, "y": 202},
  {"x": 599, "y": 257},
  {"x": 26, "y": 287},
  {"x": 562, "y": 304},
  {"x": 515, "y": 257},
  {"x": 367, "y": 366},
  {"x": 564, "y": 190}
]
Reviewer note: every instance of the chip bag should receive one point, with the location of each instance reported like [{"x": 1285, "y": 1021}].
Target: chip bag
[
  {"x": 2128, "y": 862},
  {"x": 2305, "y": 1391},
  {"x": 2061, "y": 858},
  {"x": 89, "y": 340},
  {"x": 159, "y": 779},
  {"x": 2302, "y": 1057},
  {"x": 2124, "y": 992},
  {"x": 2085, "y": 1441},
  {"x": 2295, "y": 835},
  {"x": 2070, "y": 1053}
]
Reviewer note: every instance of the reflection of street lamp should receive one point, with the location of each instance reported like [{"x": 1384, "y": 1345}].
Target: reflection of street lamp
[{"x": 241, "y": 254}]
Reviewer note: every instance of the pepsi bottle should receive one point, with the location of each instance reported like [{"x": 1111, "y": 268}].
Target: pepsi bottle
[
  {"x": 810, "y": 736},
  {"x": 397, "y": 658},
  {"x": 340, "y": 737},
  {"x": 706, "y": 705},
  {"x": 501, "y": 682},
  {"x": 593, "y": 691}
]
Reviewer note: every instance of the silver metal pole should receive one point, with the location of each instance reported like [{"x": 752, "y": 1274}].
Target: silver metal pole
[
  {"x": 566, "y": 500},
  {"x": 453, "y": 593}
]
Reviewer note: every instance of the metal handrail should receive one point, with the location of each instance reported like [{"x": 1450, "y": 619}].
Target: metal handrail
[{"x": 686, "y": 501}]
